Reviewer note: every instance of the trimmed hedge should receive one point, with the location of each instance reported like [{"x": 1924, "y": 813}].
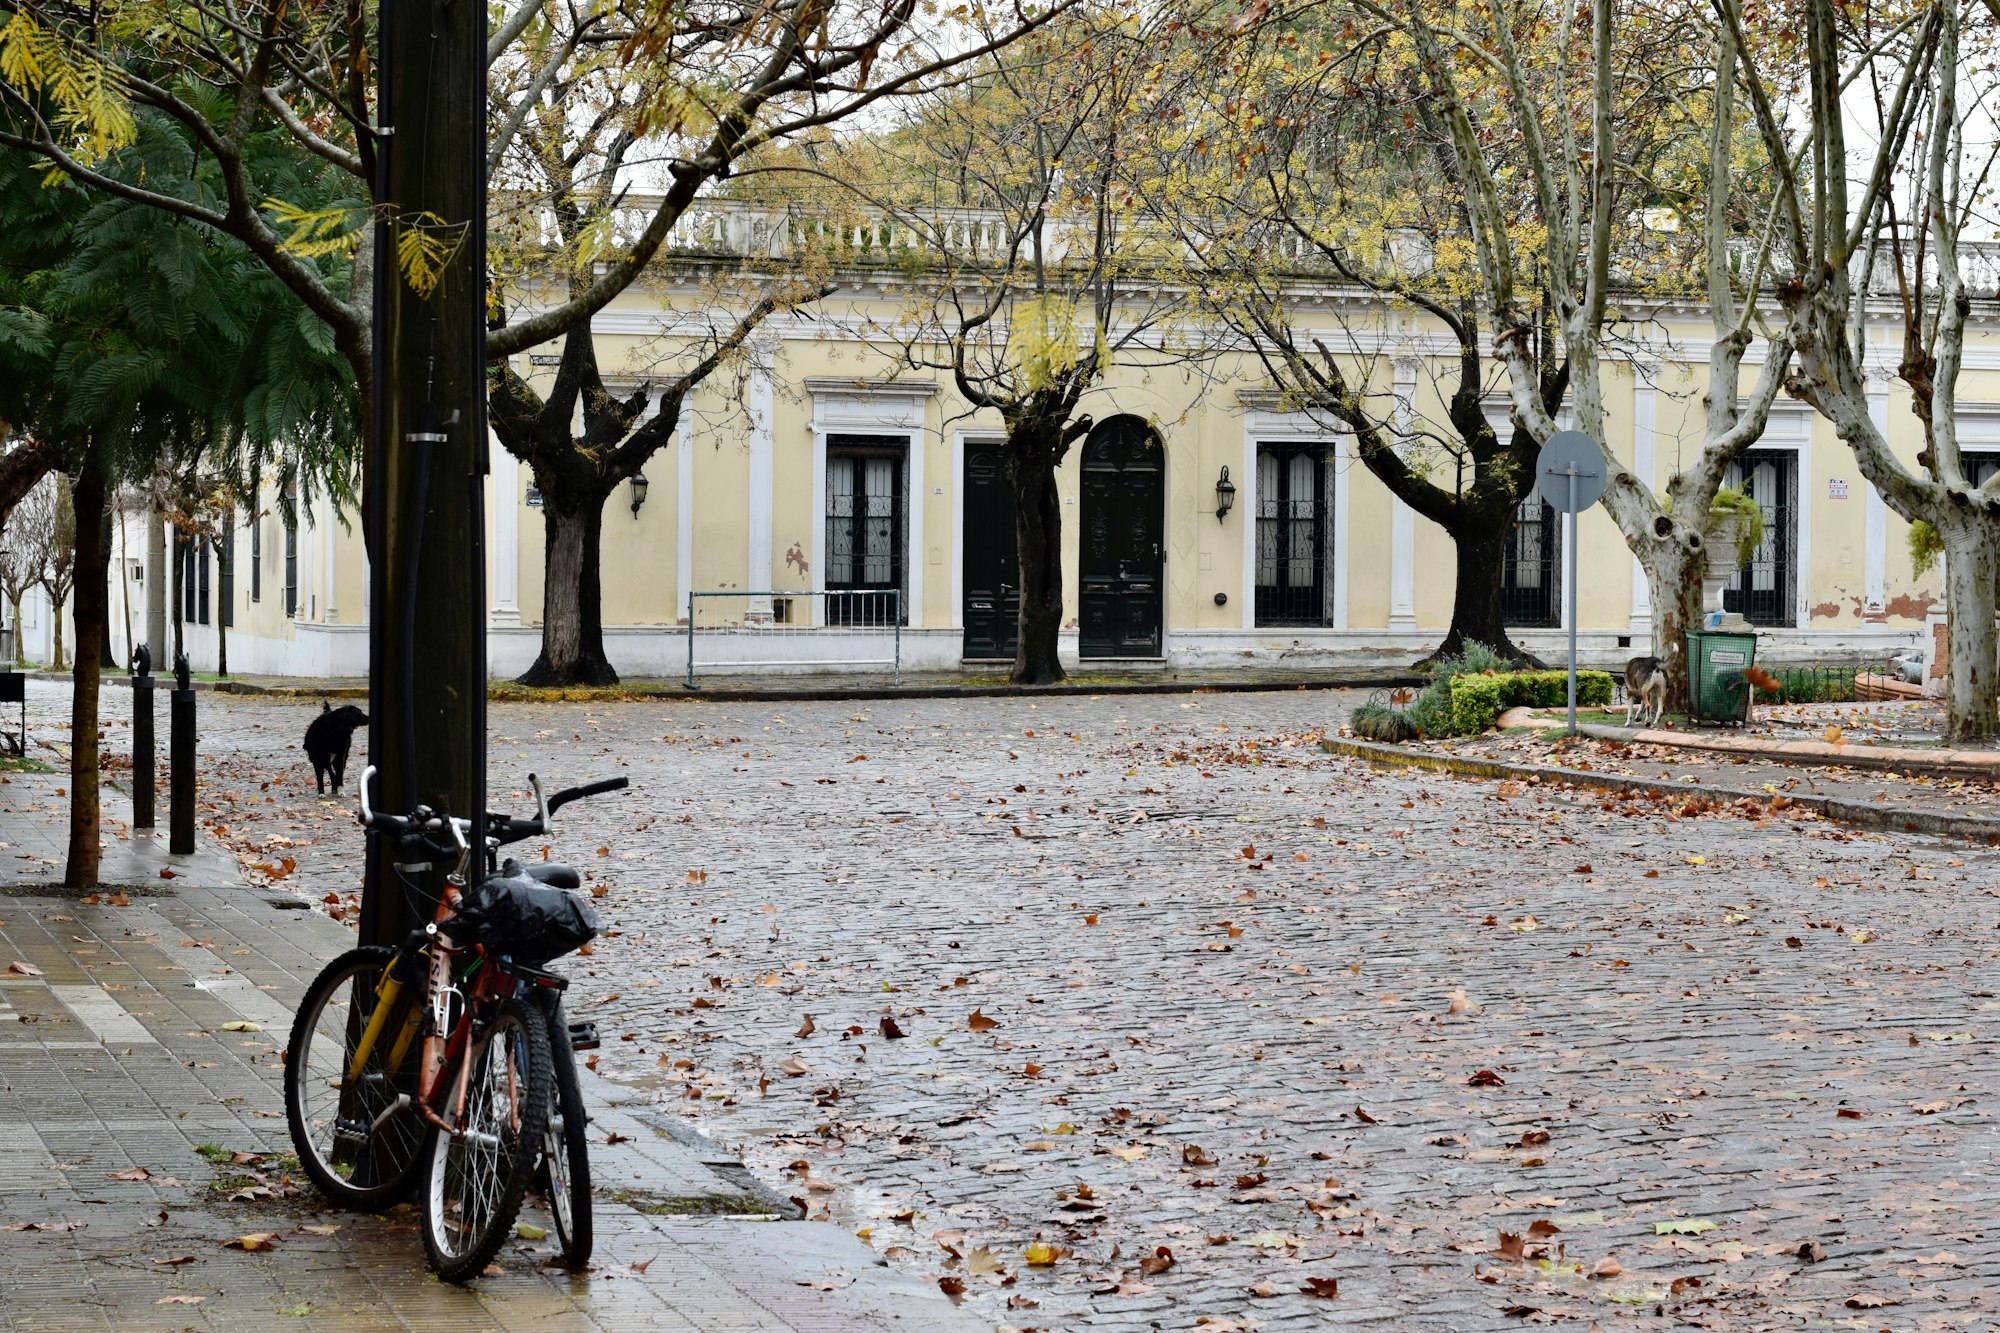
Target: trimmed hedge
[{"x": 1477, "y": 701}]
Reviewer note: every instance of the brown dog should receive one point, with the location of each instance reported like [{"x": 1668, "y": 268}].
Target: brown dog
[{"x": 1645, "y": 683}]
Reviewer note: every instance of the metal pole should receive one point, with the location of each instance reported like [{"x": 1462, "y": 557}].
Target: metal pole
[
  {"x": 1569, "y": 594},
  {"x": 690, "y": 675},
  {"x": 180, "y": 780},
  {"x": 145, "y": 762}
]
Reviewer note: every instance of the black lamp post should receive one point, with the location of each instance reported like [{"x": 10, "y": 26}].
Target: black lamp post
[{"x": 1225, "y": 494}]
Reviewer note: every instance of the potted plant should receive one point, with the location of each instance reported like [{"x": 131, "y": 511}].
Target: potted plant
[{"x": 1735, "y": 530}]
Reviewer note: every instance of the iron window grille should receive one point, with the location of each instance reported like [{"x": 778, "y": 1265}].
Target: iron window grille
[
  {"x": 1294, "y": 534},
  {"x": 865, "y": 525},
  {"x": 291, "y": 569},
  {"x": 1531, "y": 570},
  {"x": 1763, "y": 590},
  {"x": 257, "y": 558},
  {"x": 192, "y": 552},
  {"x": 225, "y": 578}
]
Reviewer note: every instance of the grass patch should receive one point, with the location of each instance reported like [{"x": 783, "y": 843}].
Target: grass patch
[{"x": 28, "y": 764}]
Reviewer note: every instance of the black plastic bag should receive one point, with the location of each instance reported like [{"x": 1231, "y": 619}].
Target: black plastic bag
[{"x": 531, "y": 921}]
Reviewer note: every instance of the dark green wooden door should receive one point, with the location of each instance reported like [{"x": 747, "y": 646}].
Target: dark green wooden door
[
  {"x": 991, "y": 574},
  {"x": 1123, "y": 552}
]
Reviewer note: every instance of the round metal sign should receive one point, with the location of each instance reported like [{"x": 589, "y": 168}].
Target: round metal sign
[{"x": 1570, "y": 472}]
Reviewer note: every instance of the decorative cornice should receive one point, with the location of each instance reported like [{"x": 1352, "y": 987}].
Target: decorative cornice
[{"x": 890, "y": 388}]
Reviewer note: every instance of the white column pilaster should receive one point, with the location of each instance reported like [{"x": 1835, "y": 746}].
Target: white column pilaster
[
  {"x": 504, "y": 503},
  {"x": 684, "y": 514},
  {"x": 1644, "y": 467},
  {"x": 1403, "y": 519},
  {"x": 1875, "y": 516},
  {"x": 757, "y": 577}
]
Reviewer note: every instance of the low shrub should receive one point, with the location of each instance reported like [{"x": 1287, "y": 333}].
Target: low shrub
[
  {"x": 1378, "y": 722},
  {"x": 1477, "y": 701}
]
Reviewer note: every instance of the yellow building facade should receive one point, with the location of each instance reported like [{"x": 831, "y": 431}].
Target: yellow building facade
[{"x": 822, "y": 474}]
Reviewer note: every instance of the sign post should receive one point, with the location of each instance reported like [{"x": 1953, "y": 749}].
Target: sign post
[{"x": 1570, "y": 474}]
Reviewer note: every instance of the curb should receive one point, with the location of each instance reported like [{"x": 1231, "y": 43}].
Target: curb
[
  {"x": 1859, "y": 814},
  {"x": 1884, "y": 758},
  {"x": 836, "y": 693}
]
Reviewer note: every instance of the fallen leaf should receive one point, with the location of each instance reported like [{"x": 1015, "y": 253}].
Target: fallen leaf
[
  {"x": 953, "y": 1287},
  {"x": 1461, "y": 1003},
  {"x": 20, "y": 969},
  {"x": 1683, "y": 1226},
  {"x": 981, "y": 1023},
  {"x": 1364, "y": 1117},
  {"x": 794, "y": 1067},
  {"x": 180, "y": 1300},
  {"x": 136, "y": 1173},
  {"x": 176, "y": 1262},
  {"x": 1868, "y": 1300},
  {"x": 256, "y": 1240},
  {"x": 1325, "y": 1287},
  {"x": 1159, "y": 1261},
  {"x": 1607, "y": 1267},
  {"x": 529, "y": 1231},
  {"x": 318, "y": 1229},
  {"x": 980, "y": 1261},
  {"x": 1193, "y": 1154},
  {"x": 1041, "y": 1254},
  {"x": 890, "y": 1030},
  {"x": 1811, "y": 1251},
  {"x": 240, "y": 1026},
  {"x": 806, "y": 1029},
  {"x": 1486, "y": 1078}
]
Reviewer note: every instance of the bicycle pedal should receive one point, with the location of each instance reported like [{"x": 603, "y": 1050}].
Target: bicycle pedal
[{"x": 583, "y": 1036}]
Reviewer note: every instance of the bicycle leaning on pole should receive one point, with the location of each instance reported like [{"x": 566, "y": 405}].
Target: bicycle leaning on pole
[{"x": 447, "y": 1062}]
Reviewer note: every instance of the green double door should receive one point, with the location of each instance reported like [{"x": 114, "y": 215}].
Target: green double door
[
  {"x": 1122, "y": 553},
  {"x": 1121, "y": 547}
]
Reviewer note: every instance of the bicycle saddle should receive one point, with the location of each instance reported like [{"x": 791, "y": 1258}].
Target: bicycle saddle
[{"x": 554, "y": 874}]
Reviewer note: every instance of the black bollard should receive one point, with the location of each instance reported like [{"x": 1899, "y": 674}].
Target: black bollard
[
  {"x": 180, "y": 758},
  {"x": 145, "y": 764}
]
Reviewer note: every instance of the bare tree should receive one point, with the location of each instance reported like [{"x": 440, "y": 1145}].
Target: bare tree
[
  {"x": 24, "y": 552},
  {"x": 1893, "y": 220},
  {"x": 1513, "y": 115}
]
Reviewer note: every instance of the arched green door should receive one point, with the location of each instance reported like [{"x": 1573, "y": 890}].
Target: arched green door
[{"x": 1123, "y": 546}]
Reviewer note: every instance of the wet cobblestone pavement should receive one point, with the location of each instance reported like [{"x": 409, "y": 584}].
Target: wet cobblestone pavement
[{"x": 1235, "y": 1033}]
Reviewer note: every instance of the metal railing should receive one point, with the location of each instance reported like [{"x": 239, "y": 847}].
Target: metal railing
[{"x": 832, "y": 629}]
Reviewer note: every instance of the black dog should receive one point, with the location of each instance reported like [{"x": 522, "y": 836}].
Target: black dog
[{"x": 327, "y": 742}]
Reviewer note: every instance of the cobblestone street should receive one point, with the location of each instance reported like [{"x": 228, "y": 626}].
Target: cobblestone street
[{"x": 1127, "y": 1012}]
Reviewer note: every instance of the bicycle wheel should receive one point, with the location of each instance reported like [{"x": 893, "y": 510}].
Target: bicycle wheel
[
  {"x": 479, "y": 1173},
  {"x": 565, "y": 1151},
  {"x": 353, "y": 1141}
]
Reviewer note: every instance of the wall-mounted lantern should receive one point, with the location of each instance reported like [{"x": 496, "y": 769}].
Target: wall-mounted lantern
[
  {"x": 1225, "y": 494},
  {"x": 638, "y": 492}
]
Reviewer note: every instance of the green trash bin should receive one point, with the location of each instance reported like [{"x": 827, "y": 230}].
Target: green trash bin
[{"x": 1716, "y": 662}]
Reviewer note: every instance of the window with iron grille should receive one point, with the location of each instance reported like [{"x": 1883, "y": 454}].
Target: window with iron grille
[
  {"x": 225, "y": 577},
  {"x": 1763, "y": 590},
  {"x": 865, "y": 504},
  {"x": 257, "y": 558},
  {"x": 291, "y": 569},
  {"x": 1530, "y": 576},
  {"x": 193, "y": 555},
  {"x": 1294, "y": 534}
]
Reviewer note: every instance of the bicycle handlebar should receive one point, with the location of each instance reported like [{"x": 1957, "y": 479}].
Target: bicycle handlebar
[{"x": 500, "y": 828}]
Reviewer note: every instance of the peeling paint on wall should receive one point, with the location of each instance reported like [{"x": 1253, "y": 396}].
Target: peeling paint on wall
[{"x": 795, "y": 556}]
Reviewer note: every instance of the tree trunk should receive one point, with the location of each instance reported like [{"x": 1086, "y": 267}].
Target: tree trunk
[
  {"x": 572, "y": 591},
  {"x": 104, "y": 657},
  {"x": 1038, "y": 542},
  {"x": 176, "y": 603},
  {"x": 20, "y": 645},
  {"x": 55, "y": 629},
  {"x": 1480, "y": 547},
  {"x": 1971, "y": 554},
  {"x": 1674, "y": 570},
  {"x": 221, "y": 635},
  {"x": 92, "y": 611}
]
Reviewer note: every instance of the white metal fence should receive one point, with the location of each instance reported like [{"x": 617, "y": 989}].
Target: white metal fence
[{"x": 832, "y": 629}]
